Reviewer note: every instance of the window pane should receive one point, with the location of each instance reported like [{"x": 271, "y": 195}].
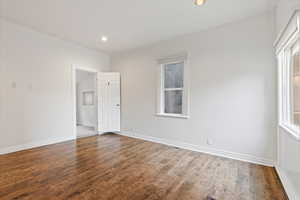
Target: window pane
[
  {"x": 295, "y": 89},
  {"x": 174, "y": 75},
  {"x": 173, "y": 102}
]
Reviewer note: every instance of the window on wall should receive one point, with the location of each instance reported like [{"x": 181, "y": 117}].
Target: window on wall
[
  {"x": 173, "y": 87},
  {"x": 288, "y": 54},
  {"x": 173, "y": 91},
  {"x": 295, "y": 89}
]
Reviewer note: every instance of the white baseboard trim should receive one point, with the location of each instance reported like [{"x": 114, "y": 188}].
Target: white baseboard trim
[
  {"x": 31, "y": 145},
  {"x": 288, "y": 186},
  {"x": 208, "y": 150}
]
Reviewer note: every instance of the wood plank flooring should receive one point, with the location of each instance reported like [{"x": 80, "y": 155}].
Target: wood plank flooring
[{"x": 112, "y": 167}]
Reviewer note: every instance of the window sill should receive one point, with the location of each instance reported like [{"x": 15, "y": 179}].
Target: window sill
[
  {"x": 292, "y": 132},
  {"x": 172, "y": 115}
]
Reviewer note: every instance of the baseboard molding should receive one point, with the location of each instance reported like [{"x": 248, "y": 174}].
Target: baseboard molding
[
  {"x": 31, "y": 145},
  {"x": 192, "y": 147},
  {"x": 288, "y": 186},
  {"x": 101, "y": 133}
]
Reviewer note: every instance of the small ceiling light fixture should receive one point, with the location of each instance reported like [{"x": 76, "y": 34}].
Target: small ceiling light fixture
[
  {"x": 200, "y": 2},
  {"x": 103, "y": 39}
]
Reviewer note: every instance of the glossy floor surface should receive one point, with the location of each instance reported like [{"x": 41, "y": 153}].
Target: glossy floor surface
[
  {"x": 111, "y": 167},
  {"x": 85, "y": 131}
]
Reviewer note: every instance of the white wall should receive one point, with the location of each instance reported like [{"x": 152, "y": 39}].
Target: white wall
[
  {"x": 86, "y": 114},
  {"x": 288, "y": 148},
  {"x": 40, "y": 108},
  {"x": 233, "y": 80}
]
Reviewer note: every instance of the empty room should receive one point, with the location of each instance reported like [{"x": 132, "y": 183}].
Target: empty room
[{"x": 149, "y": 100}]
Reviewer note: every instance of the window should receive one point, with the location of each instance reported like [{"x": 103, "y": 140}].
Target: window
[
  {"x": 295, "y": 89},
  {"x": 173, "y": 87},
  {"x": 88, "y": 98},
  {"x": 288, "y": 54}
]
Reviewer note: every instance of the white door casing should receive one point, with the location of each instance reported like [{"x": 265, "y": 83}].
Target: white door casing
[{"x": 109, "y": 102}]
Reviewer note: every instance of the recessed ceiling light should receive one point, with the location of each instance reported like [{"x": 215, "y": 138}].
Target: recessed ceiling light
[
  {"x": 200, "y": 2},
  {"x": 103, "y": 39}
]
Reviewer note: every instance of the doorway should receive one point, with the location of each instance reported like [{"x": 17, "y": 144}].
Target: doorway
[{"x": 86, "y": 103}]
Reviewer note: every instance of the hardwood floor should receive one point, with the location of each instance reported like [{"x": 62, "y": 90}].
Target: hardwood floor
[{"x": 114, "y": 167}]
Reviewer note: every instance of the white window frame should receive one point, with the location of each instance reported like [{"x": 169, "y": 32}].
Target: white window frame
[
  {"x": 182, "y": 58},
  {"x": 289, "y": 37}
]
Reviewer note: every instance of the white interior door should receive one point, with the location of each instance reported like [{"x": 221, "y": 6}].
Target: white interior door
[{"x": 109, "y": 108}]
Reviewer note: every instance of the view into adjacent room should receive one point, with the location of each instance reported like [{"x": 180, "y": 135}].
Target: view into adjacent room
[{"x": 86, "y": 103}]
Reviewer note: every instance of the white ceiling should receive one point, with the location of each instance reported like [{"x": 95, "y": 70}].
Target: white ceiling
[{"x": 127, "y": 23}]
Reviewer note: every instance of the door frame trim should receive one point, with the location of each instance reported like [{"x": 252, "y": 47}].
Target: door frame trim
[{"x": 73, "y": 92}]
